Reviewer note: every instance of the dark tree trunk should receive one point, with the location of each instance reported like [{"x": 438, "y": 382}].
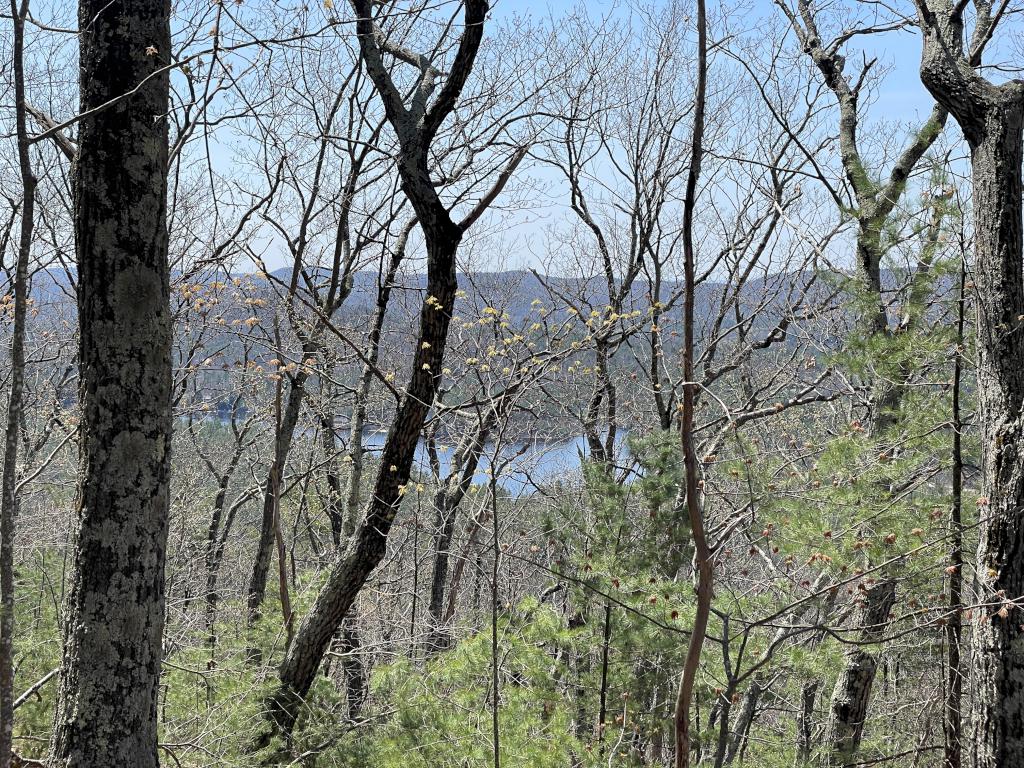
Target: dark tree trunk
[
  {"x": 992, "y": 120},
  {"x": 444, "y": 532},
  {"x": 852, "y": 693},
  {"x": 356, "y": 686},
  {"x": 602, "y": 706},
  {"x": 369, "y": 541},
  {"x": 415, "y": 125},
  {"x": 107, "y": 706},
  {"x": 805, "y": 723},
  {"x": 9, "y": 497},
  {"x": 952, "y": 720},
  {"x": 214, "y": 554}
]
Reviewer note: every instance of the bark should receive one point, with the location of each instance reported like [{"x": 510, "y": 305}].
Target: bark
[
  {"x": 992, "y": 120},
  {"x": 852, "y": 694},
  {"x": 9, "y": 497},
  {"x": 805, "y": 722},
  {"x": 999, "y": 642},
  {"x": 282, "y": 446},
  {"x": 449, "y": 496},
  {"x": 356, "y": 683},
  {"x": 444, "y": 532},
  {"x": 952, "y": 721},
  {"x": 107, "y": 706},
  {"x": 695, "y": 513}
]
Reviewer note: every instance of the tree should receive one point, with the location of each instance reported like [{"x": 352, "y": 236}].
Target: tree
[
  {"x": 415, "y": 122},
  {"x": 115, "y": 611},
  {"x": 15, "y": 400},
  {"x": 992, "y": 119},
  {"x": 704, "y": 565},
  {"x": 873, "y": 204}
]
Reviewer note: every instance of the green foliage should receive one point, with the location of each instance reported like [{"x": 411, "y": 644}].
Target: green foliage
[
  {"x": 439, "y": 716},
  {"x": 37, "y": 652}
]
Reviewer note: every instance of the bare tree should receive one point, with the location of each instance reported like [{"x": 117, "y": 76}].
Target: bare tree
[
  {"x": 15, "y": 401},
  {"x": 415, "y": 122}
]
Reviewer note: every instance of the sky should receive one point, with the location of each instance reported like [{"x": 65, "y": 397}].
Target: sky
[
  {"x": 902, "y": 96},
  {"x": 899, "y": 98}
]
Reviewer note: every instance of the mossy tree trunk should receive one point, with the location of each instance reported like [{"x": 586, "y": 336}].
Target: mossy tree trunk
[{"x": 107, "y": 706}]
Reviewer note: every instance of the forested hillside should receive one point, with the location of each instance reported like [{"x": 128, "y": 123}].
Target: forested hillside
[{"x": 454, "y": 383}]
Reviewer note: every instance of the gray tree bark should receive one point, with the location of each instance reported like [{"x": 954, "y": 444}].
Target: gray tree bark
[
  {"x": 992, "y": 119},
  {"x": 849, "y": 707},
  {"x": 107, "y": 705}
]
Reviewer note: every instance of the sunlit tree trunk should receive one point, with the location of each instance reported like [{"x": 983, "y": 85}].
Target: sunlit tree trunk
[
  {"x": 107, "y": 706},
  {"x": 992, "y": 120}
]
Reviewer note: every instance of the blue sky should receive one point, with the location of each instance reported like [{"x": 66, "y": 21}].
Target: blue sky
[{"x": 900, "y": 98}]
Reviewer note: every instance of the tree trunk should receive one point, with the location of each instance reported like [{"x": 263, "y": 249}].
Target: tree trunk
[
  {"x": 214, "y": 552},
  {"x": 107, "y": 706},
  {"x": 282, "y": 446},
  {"x": 329, "y": 441},
  {"x": 695, "y": 513},
  {"x": 9, "y": 497},
  {"x": 998, "y": 665},
  {"x": 805, "y": 723},
  {"x": 465, "y": 460},
  {"x": 952, "y": 720},
  {"x": 852, "y": 693},
  {"x": 367, "y": 547},
  {"x": 992, "y": 119},
  {"x": 416, "y": 125},
  {"x": 444, "y": 532},
  {"x": 744, "y": 721}
]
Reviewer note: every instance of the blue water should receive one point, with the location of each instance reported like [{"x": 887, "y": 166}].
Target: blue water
[{"x": 522, "y": 466}]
